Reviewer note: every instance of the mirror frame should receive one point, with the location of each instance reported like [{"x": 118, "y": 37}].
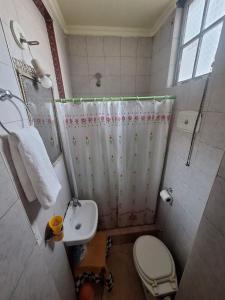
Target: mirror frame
[{"x": 24, "y": 70}]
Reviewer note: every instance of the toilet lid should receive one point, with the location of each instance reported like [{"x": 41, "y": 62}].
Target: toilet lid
[{"x": 153, "y": 258}]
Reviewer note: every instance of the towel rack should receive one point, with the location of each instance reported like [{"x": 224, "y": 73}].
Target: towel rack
[{"x": 8, "y": 95}]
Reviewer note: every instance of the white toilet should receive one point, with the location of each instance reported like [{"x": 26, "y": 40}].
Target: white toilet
[{"x": 155, "y": 266}]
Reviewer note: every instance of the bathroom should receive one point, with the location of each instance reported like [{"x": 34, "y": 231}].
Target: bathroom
[{"x": 126, "y": 102}]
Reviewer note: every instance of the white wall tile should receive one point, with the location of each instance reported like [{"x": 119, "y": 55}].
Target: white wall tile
[
  {"x": 143, "y": 66},
  {"x": 17, "y": 242},
  {"x": 221, "y": 171},
  {"x": 8, "y": 194},
  {"x": 95, "y": 46},
  {"x": 58, "y": 266},
  {"x": 144, "y": 47},
  {"x": 216, "y": 102},
  {"x": 8, "y": 12},
  {"x": 96, "y": 65},
  {"x": 36, "y": 282},
  {"x": 215, "y": 208},
  {"x": 111, "y": 46},
  {"x": 213, "y": 129},
  {"x": 80, "y": 84},
  {"x": 118, "y": 58},
  {"x": 77, "y": 45},
  {"x": 112, "y": 66},
  {"x": 4, "y": 53},
  {"x": 129, "y": 47},
  {"x": 128, "y": 85},
  {"x": 207, "y": 258},
  {"x": 142, "y": 84},
  {"x": 112, "y": 85},
  {"x": 79, "y": 66},
  {"x": 128, "y": 66}
]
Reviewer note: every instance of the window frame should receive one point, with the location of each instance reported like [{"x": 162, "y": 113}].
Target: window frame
[{"x": 198, "y": 37}]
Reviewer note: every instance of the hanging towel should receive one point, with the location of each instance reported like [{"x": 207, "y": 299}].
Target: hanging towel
[
  {"x": 28, "y": 150},
  {"x": 20, "y": 169}
]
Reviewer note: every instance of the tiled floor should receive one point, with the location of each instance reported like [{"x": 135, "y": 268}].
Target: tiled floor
[{"x": 127, "y": 285}]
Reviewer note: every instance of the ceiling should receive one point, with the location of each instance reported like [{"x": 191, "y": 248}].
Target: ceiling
[{"x": 112, "y": 17}]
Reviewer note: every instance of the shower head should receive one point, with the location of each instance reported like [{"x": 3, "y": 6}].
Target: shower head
[{"x": 98, "y": 76}]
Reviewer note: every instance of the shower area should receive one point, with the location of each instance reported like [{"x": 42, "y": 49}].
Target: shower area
[
  {"x": 114, "y": 134},
  {"x": 115, "y": 149}
]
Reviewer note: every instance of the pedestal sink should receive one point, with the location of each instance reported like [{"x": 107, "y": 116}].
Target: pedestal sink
[{"x": 80, "y": 223}]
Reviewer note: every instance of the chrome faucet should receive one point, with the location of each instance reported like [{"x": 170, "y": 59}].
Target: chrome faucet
[{"x": 75, "y": 202}]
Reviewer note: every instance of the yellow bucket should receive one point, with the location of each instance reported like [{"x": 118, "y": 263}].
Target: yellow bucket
[{"x": 56, "y": 224}]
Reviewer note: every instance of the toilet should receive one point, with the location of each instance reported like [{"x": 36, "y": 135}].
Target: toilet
[{"x": 155, "y": 267}]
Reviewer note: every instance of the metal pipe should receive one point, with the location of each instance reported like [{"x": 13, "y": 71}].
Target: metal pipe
[{"x": 132, "y": 98}]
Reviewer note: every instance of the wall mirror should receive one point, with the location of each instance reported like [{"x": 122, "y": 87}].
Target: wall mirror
[{"x": 42, "y": 107}]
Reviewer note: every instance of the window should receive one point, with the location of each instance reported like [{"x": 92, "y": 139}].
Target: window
[{"x": 202, "y": 25}]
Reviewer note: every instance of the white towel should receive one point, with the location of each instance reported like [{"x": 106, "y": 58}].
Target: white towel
[
  {"x": 20, "y": 169},
  {"x": 27, "y": 146}
]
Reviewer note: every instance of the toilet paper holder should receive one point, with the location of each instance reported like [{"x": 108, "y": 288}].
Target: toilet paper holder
[
  {"x": 170, "y": 191},
  {"x": 166, "y": 195}
]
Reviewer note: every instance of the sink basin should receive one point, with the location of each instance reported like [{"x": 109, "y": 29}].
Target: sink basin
[{"x": 80, "y": 223}]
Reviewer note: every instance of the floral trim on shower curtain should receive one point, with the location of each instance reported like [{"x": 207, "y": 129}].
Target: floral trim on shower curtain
[{"x": 117, "y": 151}]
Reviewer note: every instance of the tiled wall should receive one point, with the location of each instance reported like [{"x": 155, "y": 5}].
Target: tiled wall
[
  {"x": 28, "y": 270},
  {"x": 191, "y": 185},
  {"x": 204, "y": 274},
  {"x": 124, "y": 63}
]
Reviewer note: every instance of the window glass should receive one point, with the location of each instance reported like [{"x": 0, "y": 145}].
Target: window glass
[
  {"x": 216, "y": 10},
  {"x": 203, "y": 22},
  {"x": 187, "y": 61},
  {"x": 208, "y": 49},
  {"x": 194, "y": 19}
]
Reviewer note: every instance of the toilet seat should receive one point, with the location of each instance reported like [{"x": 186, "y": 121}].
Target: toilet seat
[{"x": 155, "y": 265}]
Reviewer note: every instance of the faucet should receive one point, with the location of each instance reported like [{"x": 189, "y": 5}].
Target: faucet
[{"x": 75, "y": 202}]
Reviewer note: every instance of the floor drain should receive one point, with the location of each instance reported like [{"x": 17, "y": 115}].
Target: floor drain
[{"x": 78, "y": 226}]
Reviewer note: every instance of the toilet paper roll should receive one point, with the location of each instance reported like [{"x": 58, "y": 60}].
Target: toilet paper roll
[{"x": 165, "y": 196}]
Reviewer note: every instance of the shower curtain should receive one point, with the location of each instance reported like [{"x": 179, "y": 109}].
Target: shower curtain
[{"x": 115, "y": 153}]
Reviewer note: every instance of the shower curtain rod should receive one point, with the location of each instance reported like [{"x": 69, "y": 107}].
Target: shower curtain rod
[{"x": 118, "y": 98}]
